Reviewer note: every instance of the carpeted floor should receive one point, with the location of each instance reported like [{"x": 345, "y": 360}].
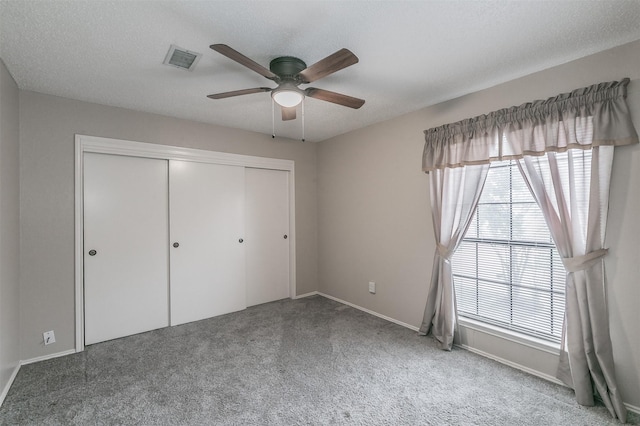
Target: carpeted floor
[{"x": 294, "y": 362}]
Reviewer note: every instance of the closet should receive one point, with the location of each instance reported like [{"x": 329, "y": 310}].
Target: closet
[
  {"x": 125, "y": 256},
  {"x": 168, "y": 241},
  {"x": 267, "y": 222},
  {"x": 207, "y": 257}
]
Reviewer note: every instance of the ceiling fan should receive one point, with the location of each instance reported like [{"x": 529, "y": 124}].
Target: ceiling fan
[{"x": 289, "y": 73}]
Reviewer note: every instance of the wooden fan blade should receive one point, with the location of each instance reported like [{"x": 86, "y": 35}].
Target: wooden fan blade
[
  {"x": 332, "y": 63},
  {"x": 243, "y": 60},
  {"x": 288, "y": 113},
  {"x": 336, "y": 98},
  {"x": 238, "y": 93}
]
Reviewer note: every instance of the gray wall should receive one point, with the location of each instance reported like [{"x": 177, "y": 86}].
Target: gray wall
[
  {"x": 47, "y": 128},
  {"x": 9, "y": 227},
  {"x": 374, "y": 219}
]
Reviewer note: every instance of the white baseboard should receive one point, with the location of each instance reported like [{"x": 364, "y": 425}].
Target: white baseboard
[
  {"x": 46, "y": 357},
  {"x": 5, "y": 391},
  {"x": 360, "y": 308},
  {"x": 511, "y": 364},
  {"x": 302, "y": 296},
  {"x": 632, "y": 408}
]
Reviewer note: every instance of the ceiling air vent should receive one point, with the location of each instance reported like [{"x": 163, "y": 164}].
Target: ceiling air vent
[{"x": 182, "y": 58}]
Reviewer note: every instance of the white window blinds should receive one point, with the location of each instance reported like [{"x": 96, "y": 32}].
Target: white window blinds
[{"x": 507, "y": 271}]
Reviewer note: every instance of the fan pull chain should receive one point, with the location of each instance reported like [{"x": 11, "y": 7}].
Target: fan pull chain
[
  {"x": 302, "y": 119},
  {"x": 273, "y": 119}
]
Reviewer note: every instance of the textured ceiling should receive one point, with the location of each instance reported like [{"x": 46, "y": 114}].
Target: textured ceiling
[{"x": 412, "y": 54}]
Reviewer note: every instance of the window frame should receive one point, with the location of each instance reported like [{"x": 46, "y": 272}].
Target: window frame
[{"x": 493, "y": 327}]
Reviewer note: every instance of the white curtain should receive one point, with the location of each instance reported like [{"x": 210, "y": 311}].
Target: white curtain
[
  {"x": 454, "y": 198},
  {"x": 574, "y": 198},
  {"x": 572, "y": 190}
]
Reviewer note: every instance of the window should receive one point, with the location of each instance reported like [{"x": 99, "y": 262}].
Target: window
[{"x": 507, "y": 271}]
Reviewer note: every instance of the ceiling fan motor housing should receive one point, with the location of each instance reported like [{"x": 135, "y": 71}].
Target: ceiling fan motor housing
[{"x": 287, "y": 67}]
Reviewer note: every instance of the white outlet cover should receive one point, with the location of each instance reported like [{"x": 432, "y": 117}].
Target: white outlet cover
[
  {"x": 49, "y": 337},
  {"x": 372, "y": 287}
]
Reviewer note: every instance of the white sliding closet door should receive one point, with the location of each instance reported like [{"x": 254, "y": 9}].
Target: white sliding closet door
[
  {"x": 207, "y": 225},
  {"x": 267, "y": 230},
  {"x": 125, "y": 246}
]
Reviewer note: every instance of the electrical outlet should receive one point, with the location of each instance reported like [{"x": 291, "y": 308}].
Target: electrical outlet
[
  {"x": 49, "y": 337},
  {"x": 372, "y": 287}
]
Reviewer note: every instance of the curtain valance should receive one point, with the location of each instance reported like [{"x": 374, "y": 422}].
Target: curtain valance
[{"x": 592, "y": 116}]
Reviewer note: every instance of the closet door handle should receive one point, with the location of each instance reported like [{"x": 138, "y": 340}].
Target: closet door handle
[
  {"x": 241, "y": 240},
  {"x": 176, "y": 244},
  {"x": 92, "y": 252},
  {"x": 285, "y": 236}
]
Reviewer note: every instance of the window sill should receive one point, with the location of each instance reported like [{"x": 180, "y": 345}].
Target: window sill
[{"x": 510, "y": 335}]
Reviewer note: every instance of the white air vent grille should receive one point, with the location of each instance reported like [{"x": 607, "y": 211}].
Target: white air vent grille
[{"x": 182, "y": 58}]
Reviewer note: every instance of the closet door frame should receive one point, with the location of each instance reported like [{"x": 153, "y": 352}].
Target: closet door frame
[{"x": 100, "y": 145}]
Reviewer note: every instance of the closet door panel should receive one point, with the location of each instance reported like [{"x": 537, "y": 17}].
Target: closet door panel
[
  {"x": 267, "y": 224},
  {"x": 207, "y": 224},
  {"x": 125, "y": 246}
]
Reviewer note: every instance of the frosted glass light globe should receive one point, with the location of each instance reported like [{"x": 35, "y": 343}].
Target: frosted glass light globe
[{"x": 287, "y": 98}]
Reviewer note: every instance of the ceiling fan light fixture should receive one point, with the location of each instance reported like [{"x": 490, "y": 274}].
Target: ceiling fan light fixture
[{"x": 287, "y": 96}]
